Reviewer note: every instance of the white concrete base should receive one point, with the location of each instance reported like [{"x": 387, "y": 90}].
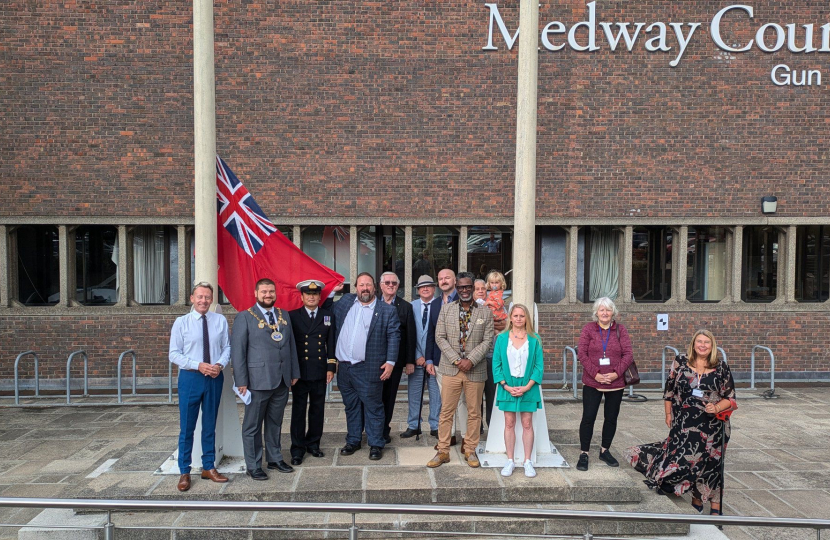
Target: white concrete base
[
  {"x": 228, "y": 465},
  {"x": 493, "y": 453}
]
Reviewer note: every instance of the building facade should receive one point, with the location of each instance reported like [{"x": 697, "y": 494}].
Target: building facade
[{"x": 381, "y": 136}]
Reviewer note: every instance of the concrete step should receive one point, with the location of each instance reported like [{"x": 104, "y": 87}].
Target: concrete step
[{"x": 334, "y": 525}]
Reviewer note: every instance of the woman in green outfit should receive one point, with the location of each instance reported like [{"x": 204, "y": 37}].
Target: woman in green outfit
[{"x": 517, "y": 367}]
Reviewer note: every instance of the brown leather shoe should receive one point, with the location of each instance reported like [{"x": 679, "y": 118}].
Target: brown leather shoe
[
  {"x": 184, "y": 482},
  {"x": 214, "y": 475},
  {"x": 452, "y": 443},
  {"x": 472, "y": 459},
  {"x": 439, "y": 459}
]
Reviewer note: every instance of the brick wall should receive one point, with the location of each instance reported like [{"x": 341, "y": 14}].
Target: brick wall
[
  {"x": 345, "y": 109},
  {"x": 797, "y": 340}
]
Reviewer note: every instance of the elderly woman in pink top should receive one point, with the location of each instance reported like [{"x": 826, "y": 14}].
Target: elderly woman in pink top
[{"x": 605, "y": 353}]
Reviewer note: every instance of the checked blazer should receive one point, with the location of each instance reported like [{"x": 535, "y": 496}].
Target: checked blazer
[
  {"x": 447, "y": 334},
  {"x": 384, "y": 333}
]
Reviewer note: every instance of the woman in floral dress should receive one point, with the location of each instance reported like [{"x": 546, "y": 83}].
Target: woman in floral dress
[{"x": 698, "y": 388}]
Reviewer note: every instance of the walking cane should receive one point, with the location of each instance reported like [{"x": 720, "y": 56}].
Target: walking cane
[
  {"x": 723, "y": 416},
  {"x": 421, "y": 404}
]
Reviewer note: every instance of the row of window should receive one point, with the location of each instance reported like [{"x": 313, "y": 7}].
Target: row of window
[{"x": 155, "y": 263}]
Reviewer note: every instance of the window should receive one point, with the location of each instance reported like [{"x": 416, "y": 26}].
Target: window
[
  {"x": 38, "y": 265},
  {"x": 553, "y": 267},
  {"x": 433, "y": 249},
  {"x": 328, "y": 245},
  {"x": 96, "y": 265},
  {"x": 490, "y": 248},
  {"x": 651, "y": 264},
  {"x": 706, "y": 261},
  {"x": 602, "y": 264},
  {"x": 759, "y": 275},
  {"x": 286, "y": 230},
  {"x": 153, "y": 265},
  {"x": 812, "y": 263}
]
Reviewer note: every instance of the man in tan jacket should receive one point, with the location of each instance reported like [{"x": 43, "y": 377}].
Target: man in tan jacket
[{"x": 463, "y": 332}]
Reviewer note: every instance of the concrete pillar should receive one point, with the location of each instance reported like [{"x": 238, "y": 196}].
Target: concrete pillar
[
  {"x": 787, "y": 259},
  {"x": 462, "y": 249},
  {"x": 5, "y": 268},
  {"x": 125, "y": 267},
  {"x": 407, "y": 263},
  {"x": 626, "y": 264},
  {"x": 66, "y": 258},
  {"x": 572, "y": 260},
  {"x": 297, "y": 234},
  {"x": 228, "y": 428},
  {"x": 679, "y": 254},
  {"x": 354, "y": 243},
  {"x": 185, "y": 282},
  {"x": 524, "y": 215},
  {"x": 737, "y": 262}
]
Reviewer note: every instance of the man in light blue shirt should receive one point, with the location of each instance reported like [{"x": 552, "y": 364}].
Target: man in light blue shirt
[{"x": 199, "y": 345}]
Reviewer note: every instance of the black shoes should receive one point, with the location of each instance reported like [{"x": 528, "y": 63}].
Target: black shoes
[
  {"x": 280, "y": 466},
  {"x": 409, "y": 433},
  {"x": 375, "y": 453},
  {"x": 316, "y": 452},
  {"x": 387, "y": 438},
  {"x": 605, "y": 455},
  {"x": 582, "y": 464},
  {"x": 257, "y": 474},
  {"x": 349, "y": 449},
  {"x": 296, "y": 461},
  {"x": 433, "y": 433}
]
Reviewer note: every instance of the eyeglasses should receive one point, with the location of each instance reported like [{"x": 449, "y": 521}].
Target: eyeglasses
[
  {"x": 464, "y": 287},
  {"x": 389, "y": 283}
]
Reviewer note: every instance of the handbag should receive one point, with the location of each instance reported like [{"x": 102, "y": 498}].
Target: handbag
[{"x": 632, "y": 374}]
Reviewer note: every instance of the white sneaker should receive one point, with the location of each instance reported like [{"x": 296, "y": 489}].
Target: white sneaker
[
  {"x": 530, "y": 472},
  {"x": 508, "y": 469}
]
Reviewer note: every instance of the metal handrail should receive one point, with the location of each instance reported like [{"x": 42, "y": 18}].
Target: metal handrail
[
  {"x": 565, "y": 352},
  {"x": 108, "y": 505},
  {"x": 86, "y": 373},
  {"x": 771, "y": 392},
  {"x": 663, "y": 367},
  {"x": 16, "y": 379},
  {"x": 123, "y": 354}
]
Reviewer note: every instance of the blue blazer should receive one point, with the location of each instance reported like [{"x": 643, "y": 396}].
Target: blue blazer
[
  {"x": 384, "y": 333},
  {"x": 432, "y": 354}
]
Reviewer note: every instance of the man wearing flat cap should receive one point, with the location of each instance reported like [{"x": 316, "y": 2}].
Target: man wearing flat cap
[{"x": 313, "y": 329}]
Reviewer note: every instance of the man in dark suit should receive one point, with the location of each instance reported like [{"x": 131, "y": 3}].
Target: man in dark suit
[
  {"x": 265, "y": 364},
  {"x": 389, "y": 284},
  {"x": 314, "y": 338},
  {"x": 367, "y": 333}
]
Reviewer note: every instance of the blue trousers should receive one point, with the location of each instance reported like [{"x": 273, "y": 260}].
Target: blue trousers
[
  {"x": 415, "y": 391},
  {"x": 363, "y": 397},
  {"x": 198, "y": 391}
]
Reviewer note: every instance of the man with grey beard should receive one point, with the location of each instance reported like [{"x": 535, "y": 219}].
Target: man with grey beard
[{"x": 367, "y": 333}]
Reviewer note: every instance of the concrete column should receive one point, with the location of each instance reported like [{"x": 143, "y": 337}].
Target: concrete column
[
  {"x": 204, "y": 132},
  {"x": 737, "y": 262},
  {"x": 298, "y": 236},
  {"x": 626, "y": 264},
  {"x": 462, "y": 249},
  {"x": 572, "y": 259},
  {"x": 66, "y": 257},
  {"x": 407, "y": 263},
  {"x": 788, "y": 260},
  {"x": 524, "y": 215},
  {"x": 185, "y": 282},
  {"x": 228, "y": 429},
  {"x": 680, "y": 252},
  {"x": 5, "y": 268},
  {"x": 353, "y": 247},
  {"x": 125, "y": 267}
]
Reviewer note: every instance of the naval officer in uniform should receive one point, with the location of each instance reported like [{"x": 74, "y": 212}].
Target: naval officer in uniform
[{"x": 314, "y": 338}]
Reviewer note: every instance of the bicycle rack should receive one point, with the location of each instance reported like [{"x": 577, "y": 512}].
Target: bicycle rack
[
  {"x": 663, "y": 367},
  {"x": 573, "y": 349},
  {"x": 768, "y": 394},
  {"x": 17, "y": 380},
  {"x": 69, "y": 376},
  {"x": 565, "y": 352},
  {"x": 123, "y": 354}
]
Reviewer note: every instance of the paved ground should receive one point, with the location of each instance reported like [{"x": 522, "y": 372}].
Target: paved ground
[{"x": 776, "y": 463}]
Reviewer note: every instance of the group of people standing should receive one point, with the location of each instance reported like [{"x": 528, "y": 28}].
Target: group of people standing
[{"x": 462, "y": 346}]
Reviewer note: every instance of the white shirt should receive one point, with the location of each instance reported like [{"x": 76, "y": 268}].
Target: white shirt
[
  {"x": 351, "y": 343},
  {"x": 265, "y": 315},
  {"x": 186, "y": 340},
  {"x": 517, "y": 358}
]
